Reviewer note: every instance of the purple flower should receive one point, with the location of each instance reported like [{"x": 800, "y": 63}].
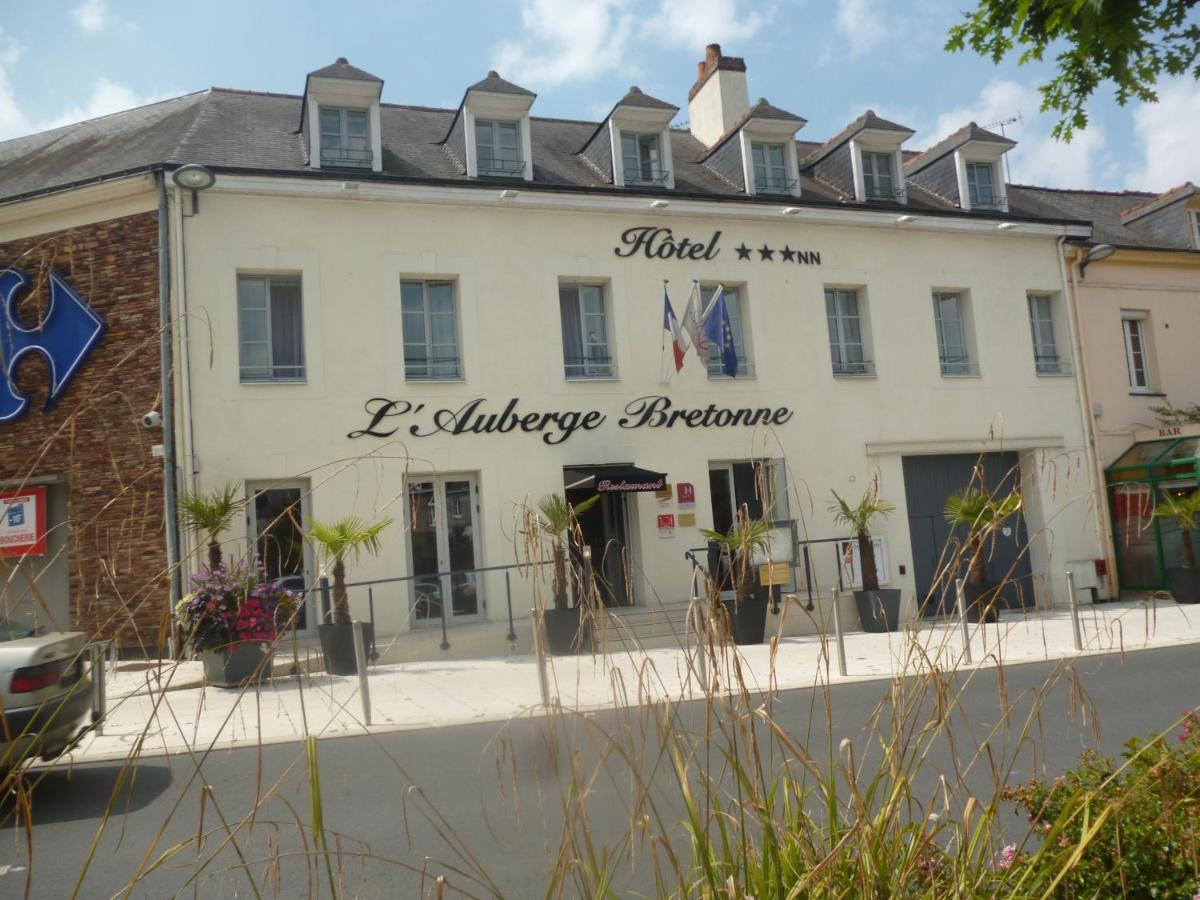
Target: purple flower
[{"x": 1007, "y": 855}]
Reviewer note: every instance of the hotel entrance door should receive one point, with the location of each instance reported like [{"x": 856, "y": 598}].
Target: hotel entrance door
[{"x": 604, "y": 528}]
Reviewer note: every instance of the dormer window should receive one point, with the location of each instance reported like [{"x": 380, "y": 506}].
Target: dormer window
[
  {"x": 981, "y": 188},
  {"x": 1195, "y": 216},
  {"x": 641, "y": 159},
  {"x": 498, "y": 148},
  {"x": 879, "y": 181},
  {"x": 345, "y": 137},
  {"x": 770, "y": 168},
  {"x": 339, "y": 118}
]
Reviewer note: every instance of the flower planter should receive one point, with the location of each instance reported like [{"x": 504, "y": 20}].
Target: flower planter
[
  {"x": 982, "y": 602},
  {"x": 237, "y": 664},
  {"x": 879, "y": 610},
  {"x": 1185, "y": 585},
  {"x": 748, "y": 617},
  {"x": 562, "y": 631},
  {"x": 337, "y": 646}
]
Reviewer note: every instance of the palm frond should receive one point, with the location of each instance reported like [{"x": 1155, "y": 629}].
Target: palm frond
[
  {"x": 211, "y": 513},
  {"x": 1184, "y": 511},
  {"x": 556, "y": 513},
  {"x": 349, "y": 536},
  {"x": 858, "y": 518}
]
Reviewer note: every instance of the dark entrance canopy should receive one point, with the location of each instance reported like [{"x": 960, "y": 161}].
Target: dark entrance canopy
[
  {"x": 1147, "y": 546},
  {"x": 615, "y": 479}
]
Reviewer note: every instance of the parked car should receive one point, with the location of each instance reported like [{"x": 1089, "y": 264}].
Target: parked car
[{"x": 46, "y": 690}]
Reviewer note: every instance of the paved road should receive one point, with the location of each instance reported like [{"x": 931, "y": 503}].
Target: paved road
[{"x": 490, "y": 799}]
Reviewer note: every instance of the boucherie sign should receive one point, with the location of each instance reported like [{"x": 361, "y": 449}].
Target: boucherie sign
[{"x": 479, "y": 416}]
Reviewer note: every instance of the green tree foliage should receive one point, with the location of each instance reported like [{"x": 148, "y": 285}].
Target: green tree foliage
[{"x": 1131, "y": 43}]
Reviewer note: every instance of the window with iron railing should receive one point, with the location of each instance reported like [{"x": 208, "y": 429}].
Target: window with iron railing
[
  {"x": 586, "y": 351},
  {"x": 879, "y": 182},
  {"x": 641, "y": 159},
  {"x": 769, "y": 162},
  {"x": 270, "y": 328},
  {"x": 498, "y": 149},
  {"x": 981, "y": 187},
  {"x": 733, "y": 303},
  {"x": 847, "y": 345},
  {"x": 954, "y": 354},
  {"x": 1046, "y": 358},
  {"x": 345, "y": 138},
  {"x": 430, "y": 326}
]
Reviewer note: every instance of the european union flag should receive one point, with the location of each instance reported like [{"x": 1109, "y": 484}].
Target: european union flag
[{"x": 719, "y": 333}]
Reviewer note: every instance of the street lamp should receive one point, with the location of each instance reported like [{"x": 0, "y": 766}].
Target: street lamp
[
  {"x": 194, "y": 177},
  {"x": 1097, "y": 253}
]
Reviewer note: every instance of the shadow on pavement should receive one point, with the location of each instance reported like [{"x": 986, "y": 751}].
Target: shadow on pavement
[{"x": 63, "y": 794}]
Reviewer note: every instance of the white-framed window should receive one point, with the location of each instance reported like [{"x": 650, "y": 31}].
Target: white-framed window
[
  {"x": 850, "y": 555},
  {"x": 345, "y": 137},
  {"x": 642, "y": 158},
  {"x": 429, "y": 320},
  {"x": 950, "y": 320},
  {"x": 737, "y": 324},
  {"x": 270, "y": 328},
  {"x": 769, "y": 163},
  {"x": 1137, "y": 354},
  {"x": 879, "y": 182},
  {"x": 586, "y": 352},
  {"x": 847, "y": 342},
  {"x": 1046, "y": 357},
  {"x": 759, "y": 485},
  {"x": 981, "y": 186},
  {"x": 1195, "y": 218},
  {"x": 498, "y": 148}
]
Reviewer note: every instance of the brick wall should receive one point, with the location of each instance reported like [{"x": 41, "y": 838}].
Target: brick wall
[{"x": 93, "y": 438}]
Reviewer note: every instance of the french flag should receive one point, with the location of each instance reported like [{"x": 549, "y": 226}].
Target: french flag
[{"x": 679, "y": 341}]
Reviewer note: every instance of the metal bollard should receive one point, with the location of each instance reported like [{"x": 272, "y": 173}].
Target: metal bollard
[
  {"x": 360, "y": 661},
  {"x": 1076, "y": 628},
  {"x": 539, "y": 649},
  {"x": 837, "y": 630},
  {"x": 961, "y": 602},
  {"x": 96, "y": 651}
]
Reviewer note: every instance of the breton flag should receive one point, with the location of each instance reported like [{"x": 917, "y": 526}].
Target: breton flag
[
  {"x": 719, "y": 331},
  {"x": 693, "y": 320},
  {"x": 679, "y": 340}
]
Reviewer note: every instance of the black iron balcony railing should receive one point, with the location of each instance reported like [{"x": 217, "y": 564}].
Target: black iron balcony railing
[
  {"x": 716, "y": 368},
  {"x": 504, "y": 168},
  {"x": 343, "y": 158},
  {"x": 989, "y": 202},
  {"x": 854, "y": 368},
  {"x": 589, "y": 366},
  {"x": 959, "y": 365},
  {"x": 1051, "y": 364},
  {"x": 647, "y": 178},
  {"x": 890, "y": 195},
  {"x": 768, "y": 184},
  {"x": 432, "y": 368}
]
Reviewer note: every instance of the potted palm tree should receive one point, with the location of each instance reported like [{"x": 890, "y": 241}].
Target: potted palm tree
[
  {"x": 734, "y": 575},
  {"x": 878, "y": 609},
  {"x": 982, "y": 515},
  {"x": 555, "y": 519},
  {"x": 335, "y": 541},
  {"x": 208, "y": 515},
  {"x": 1184, "y": 511}
]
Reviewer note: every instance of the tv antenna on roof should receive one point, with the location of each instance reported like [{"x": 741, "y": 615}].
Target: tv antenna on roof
[{"x": 1018, "y": 119}]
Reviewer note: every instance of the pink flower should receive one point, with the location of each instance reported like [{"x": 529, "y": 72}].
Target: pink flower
[{"x": 1007, "y": 855}]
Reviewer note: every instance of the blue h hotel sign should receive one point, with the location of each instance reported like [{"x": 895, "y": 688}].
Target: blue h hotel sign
[{"x": 65, "y": 336}]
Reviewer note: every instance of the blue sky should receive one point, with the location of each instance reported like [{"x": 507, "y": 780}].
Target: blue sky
[{"x": 66, "y": 60}]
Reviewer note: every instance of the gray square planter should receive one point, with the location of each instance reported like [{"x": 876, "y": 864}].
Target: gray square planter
[{"x": 233, "y": 666}]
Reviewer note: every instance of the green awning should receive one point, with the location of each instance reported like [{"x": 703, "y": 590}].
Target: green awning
[{"x": 1163, "y": 458}]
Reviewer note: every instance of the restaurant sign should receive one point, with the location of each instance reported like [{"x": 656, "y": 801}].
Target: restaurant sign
[{"x": 388, "y": 417}]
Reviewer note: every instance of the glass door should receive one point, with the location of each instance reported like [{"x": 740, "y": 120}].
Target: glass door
[
  {"x": 444, "y": 548},
  {"x": 275, "y": 518}
]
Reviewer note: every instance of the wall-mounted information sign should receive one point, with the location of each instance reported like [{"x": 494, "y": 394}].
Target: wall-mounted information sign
[{"x": 23, "y": 522}]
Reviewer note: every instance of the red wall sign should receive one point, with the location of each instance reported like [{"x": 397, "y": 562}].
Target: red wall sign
[
  {"x": 666, "y": 521},
  {"x": 686, "y": 493},
  {"x": 23, "y": 522}
]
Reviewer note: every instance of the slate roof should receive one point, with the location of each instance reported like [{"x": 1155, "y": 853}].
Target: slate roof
[
  {"x": 760, "y": 110},
  {"x": 493, "y": 83},
  {"x": 635, "y": 97},
  {"x": 1166, "y": 198},
  {"x": 244, "y": 131},
  {"x": 867, "y": 120},
  {"x": 969, "y": 132},
  {"x": 341, "y": 68},
  {"x": 1102, "y": 208}
]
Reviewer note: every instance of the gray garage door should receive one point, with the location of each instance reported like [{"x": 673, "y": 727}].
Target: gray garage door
[{"x": 928, "y": 481}]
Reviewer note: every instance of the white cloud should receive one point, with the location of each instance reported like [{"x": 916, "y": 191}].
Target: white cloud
[
  {"x": 575, "y": 40},
  {"x": 106, "y": 97},
  {"x": 1169, "y": 132},
  {"x": 91, "y": 15},
  {"x": 686, "y": 23},
  {"x": 861, "y": 24},
  {"x": 12, "y": 120},
  {"x": 1038, "y": 158}
]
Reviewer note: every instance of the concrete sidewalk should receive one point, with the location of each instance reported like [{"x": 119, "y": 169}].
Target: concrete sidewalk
[{"x": 147, "y": 714}]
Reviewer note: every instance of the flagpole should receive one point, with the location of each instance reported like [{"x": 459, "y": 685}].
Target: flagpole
[{"x": 663, "y": 376}]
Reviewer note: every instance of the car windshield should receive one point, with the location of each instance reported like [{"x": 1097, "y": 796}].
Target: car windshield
[{"x": 14, "y": 631}]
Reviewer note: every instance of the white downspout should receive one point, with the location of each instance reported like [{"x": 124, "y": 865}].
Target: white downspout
[{"x": 1103, "y": 522}]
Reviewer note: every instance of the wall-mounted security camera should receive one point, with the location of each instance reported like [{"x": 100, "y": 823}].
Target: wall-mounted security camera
[{"x": 152, "y": 419}]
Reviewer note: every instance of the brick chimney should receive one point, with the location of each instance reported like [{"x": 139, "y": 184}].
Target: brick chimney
[{"x": 719, "y": 96}]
